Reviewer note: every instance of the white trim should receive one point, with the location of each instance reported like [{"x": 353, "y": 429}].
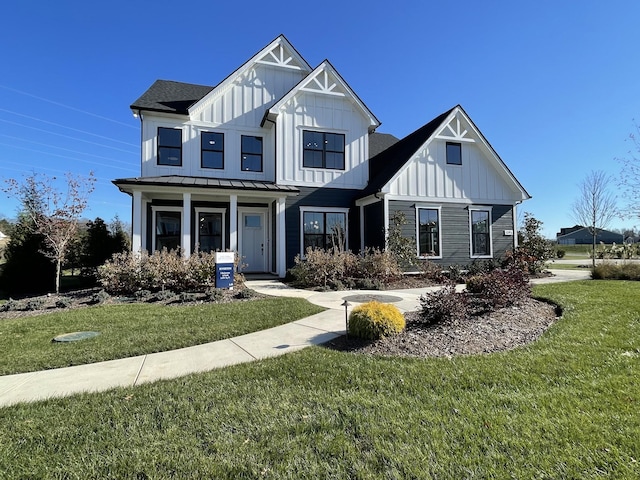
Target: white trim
[
  {"x": 185, "y": 228},
  {"x": 320, "y": 209},
  {"x": 233, "y": 222},
  {"x": 385, "y": 213},
  {"x": 136, "y": 222},
  {"x": 160, "y": 208},
  {"x": 281, "y": 234},
  {"x": 419, "y": 207},
  {"x": 481, "y": 208},
  {"x": 200, "y": 210}
]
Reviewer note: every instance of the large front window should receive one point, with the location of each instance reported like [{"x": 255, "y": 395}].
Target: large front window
[
  {"x": 323, "y": 150},
  {"x": 211, "y": 150},
  {"x": 168, "y": 230},
  {"x": 324, "y": 230},
  {"x": 251, "y": 157},
  {"x": 169, "y": 146},
  {"x": 480, "y": 233},
  {"x": 428, "y": 232}
]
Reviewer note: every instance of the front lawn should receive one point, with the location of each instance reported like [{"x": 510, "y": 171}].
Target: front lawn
[
  {"x": 135, "y": 329},
  {"x": 564, "y": 407}
]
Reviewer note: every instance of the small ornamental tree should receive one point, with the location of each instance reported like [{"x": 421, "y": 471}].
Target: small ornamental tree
[
  {"x": 54, "y": 214},
  {"x": 402, "y": 248},
  {"x": 534, "y": 250}
]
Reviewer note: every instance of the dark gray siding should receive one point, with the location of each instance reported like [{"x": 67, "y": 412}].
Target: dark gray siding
[
  {"x": 319, "y": 197},
  {"x": 454, "y": 230}
]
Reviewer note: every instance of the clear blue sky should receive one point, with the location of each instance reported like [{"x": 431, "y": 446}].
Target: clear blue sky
[{"x": 553, "y": 85}]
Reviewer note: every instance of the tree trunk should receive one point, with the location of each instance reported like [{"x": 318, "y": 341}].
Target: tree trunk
[
  {"x": 58, "y": 266},
  {"x": 593, "y": 251}
]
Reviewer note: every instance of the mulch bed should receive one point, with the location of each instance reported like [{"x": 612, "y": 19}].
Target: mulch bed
[{"x": 501, "y": 330}]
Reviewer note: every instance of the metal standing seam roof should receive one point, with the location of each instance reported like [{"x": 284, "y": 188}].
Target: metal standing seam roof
[{"x": 202, "y": 182}]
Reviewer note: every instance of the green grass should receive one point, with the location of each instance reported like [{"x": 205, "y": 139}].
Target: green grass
[
  {"x": 565, "y": 407},
  {"x": 136, "y": 329},
  {"x": 568, "y": 266}
]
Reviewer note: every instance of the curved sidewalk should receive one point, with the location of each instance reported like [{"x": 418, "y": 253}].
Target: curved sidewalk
[{"x": 127, "y": 372}]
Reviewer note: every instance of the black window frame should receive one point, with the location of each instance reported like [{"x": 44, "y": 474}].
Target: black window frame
[
  {"x": 306, "y": 144},
  {"x": 171, "y": 240},
  {"x": 476, "y": 236},
  {"x": 325, "y": 238},
  {"x": 450, "y": 159},
  {"x": 165, "y": 145},
  {"x": 218, "y": 237},
  {"x": 206, "y": 147},
  {"x": 432, "y": 235},
  {"x": 244, "y": 153}
]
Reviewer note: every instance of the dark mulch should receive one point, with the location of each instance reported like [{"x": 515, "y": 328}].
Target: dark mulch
[{"x": 497, "y": 331}]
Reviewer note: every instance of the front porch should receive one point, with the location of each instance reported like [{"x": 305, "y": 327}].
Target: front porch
[{"x": 211, "y": 215}]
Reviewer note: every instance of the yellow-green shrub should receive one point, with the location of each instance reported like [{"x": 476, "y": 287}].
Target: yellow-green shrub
[{"x": 374, "y": 320}]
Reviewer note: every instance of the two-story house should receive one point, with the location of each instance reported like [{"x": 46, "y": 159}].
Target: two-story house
[{"x": 280, "y": 156}]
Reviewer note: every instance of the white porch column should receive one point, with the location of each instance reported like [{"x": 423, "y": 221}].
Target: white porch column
[
  {"x": 362, "y": 228},
  {"x": 136, "y": 222},
  {"x": 186, "y": 224},
  {"x": 385, "y": 203},
  {"x": 281, "y": 238},
  {"x": 233, "y": 223}
]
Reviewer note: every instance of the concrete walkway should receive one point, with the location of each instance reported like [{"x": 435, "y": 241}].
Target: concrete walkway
[{"x": 127, "y": 372}]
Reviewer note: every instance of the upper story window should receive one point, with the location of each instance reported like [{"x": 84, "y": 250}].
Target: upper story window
[
  {"x": 323, "y": 150},
  {"x": 428, "y": 232},
  {"x": 251, "y": 155},
  {"x": 212, "y": 150},
  {"x": 454, "y": 153},
  {"x": 480, "y": 220},
  {"x": 170, "y": 146}
]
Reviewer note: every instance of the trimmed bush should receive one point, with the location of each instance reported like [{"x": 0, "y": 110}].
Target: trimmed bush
[
  {"x": 444, "y": 305},
  {"x": 100, "y": 297},
  {"x": 560, "y": 253},
  {"x": 374, "y": 320},
  {"x": 63, "y": 302},
  {"x": 499, "y": 288},
  {"x": 34, "y": 304},
  {"x": 11, "y": 305}
]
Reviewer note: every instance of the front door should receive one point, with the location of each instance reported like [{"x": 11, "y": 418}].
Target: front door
[{"x": 254, "y": 249}]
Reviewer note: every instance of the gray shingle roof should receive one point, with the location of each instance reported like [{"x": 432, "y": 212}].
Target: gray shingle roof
[
  {"x": 384, "y": 165},
  {"x": 171, "y": 97},
  {"x": 205, "y": 182},
  {"x": 379, "y": 142}
]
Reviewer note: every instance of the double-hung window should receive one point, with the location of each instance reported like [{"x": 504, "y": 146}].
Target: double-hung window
[
  {"x": 323, "y": 150},
  {"x": 325, "y": 229},
  {"x": 251, "y": 155},
  {"x": 480, "y": 226},
  {"x": 170, "y": 146},
  {"x": 428, "y": 232},
  {"x": 212, "y": 150}
]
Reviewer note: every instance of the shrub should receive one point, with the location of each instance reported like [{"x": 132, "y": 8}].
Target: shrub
[
  {"x": 377, "y": 264},
  {"x": 431, "y": 270},
  {"x": 610, "y": 271},
  {"x": 99, "y": 297},
  {"x": 401, "y": 247},
  {"x": 560, "y": 253},
  {"x": 34, "y": 304},
  {"x": 142, "y": 295},
  {"x": 63, "y": 302},
  {"x": 534, "y": 249},
  {"x": 374, "y": 320},
  {"x": 319, "y": 267},
  {"x": 214, "y": 295},
  {"x": 444, "y": 305},
  {"x": 499, "y": 288},
  {"x": 164, "y": 296},
  {"x": 11, "y": 305},
  {"x": 369, "y": 284},
  {"x": 246, "y": 294}
]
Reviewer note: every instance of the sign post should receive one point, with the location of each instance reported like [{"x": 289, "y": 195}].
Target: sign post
[{"x": 224, "y": 269}]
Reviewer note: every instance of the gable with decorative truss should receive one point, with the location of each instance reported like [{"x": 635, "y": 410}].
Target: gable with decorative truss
[
  {"x": 279, "y": 54},
  {"x": 455, "y": 130}
]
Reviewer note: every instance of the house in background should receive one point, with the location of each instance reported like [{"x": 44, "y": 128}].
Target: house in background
[
  {"x": 579, "y": 235},
  {"x": 281, "y": 156}
]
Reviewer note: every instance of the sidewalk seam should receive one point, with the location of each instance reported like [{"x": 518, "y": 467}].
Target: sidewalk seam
[
  {"x": 135, "y": 380},
  {"x": 243, "y": 349}
]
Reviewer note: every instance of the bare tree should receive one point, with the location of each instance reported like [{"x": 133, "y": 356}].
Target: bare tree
[
  {"x": 55, "y": 214},
  {"x": 596, "y": 206},
  {"x": 630, "y": 175}
]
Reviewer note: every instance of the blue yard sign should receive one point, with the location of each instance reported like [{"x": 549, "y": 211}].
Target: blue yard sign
[{"x": 224, "y": 269}]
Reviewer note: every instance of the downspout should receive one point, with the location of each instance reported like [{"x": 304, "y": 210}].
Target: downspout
[{"x": 514, "y": 213}]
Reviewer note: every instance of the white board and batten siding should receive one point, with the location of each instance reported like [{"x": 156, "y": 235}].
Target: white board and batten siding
[
  {"x": 322, "y": 113},
  {"x": 235, "y": 110},
  {"x": 428, "y": 176}
]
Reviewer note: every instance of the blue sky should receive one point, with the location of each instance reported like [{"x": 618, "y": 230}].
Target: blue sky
[{"x": 554, "y": 86}]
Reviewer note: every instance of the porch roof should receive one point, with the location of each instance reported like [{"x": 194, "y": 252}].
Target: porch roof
[{"x": 203, "y": 182}]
